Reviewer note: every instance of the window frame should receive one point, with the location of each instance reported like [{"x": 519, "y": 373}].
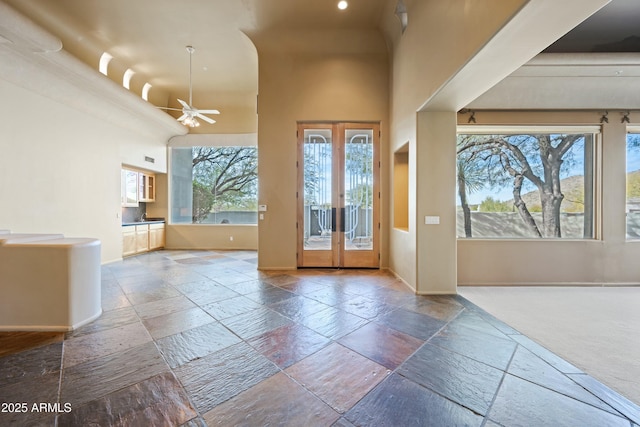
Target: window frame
[
  {"x": 630, "y": 129},
  {"x": 206, "y": 140},
  {"x": 595, "y": 130}
]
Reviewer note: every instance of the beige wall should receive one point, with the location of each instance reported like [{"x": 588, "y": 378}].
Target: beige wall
[
  {"x": 60, "y": 168},
  {"x": 450, "y": 53},
  {"x": 237, "y": 112},
  {"x": 435, "y": 199},
  {"x": 160, "y": 208},
  {"x": 440, "y": 39},
  {"x": 307, "y": 76},
  {"x": 610, "y": 259},
  {"x": 198, "y": 236},
  {"x": 438, "y": 42}
]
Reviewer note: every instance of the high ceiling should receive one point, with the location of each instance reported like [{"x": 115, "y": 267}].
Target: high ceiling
[
  {"x": 594, "y": 66},
  {"x": 615, "y": 28},
  {"x": 150, "y": 36}
]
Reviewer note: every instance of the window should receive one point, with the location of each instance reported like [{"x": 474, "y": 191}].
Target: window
[
  {"x": 534, "y": 183},
  {"x": 214, "y": 185},
  {"x": 633, "y": 184},
  {"x": 105, "y": 59},
  {"x": 126, "y": 78},
  {"x": 145, "y": 91}
]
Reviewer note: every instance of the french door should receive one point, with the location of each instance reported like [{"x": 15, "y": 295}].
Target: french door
[{"x": 338, "y": 195}]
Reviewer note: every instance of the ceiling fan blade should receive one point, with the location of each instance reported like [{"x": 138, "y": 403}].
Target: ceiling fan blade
[
  {"x": 209, "y": 111},
  {"x": 182, "y": 117},
  {"x": 205, "y": 118},
  {"x": 184, "y": 104},
  {"x": 170, "y": 109}
]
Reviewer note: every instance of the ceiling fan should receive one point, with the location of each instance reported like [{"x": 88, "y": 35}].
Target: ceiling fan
[{"x": 189, "y": 112}]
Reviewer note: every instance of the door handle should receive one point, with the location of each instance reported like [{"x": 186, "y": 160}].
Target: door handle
[
  {"x": 333, "y": 220},
  {"x": 342, "y": 220}
]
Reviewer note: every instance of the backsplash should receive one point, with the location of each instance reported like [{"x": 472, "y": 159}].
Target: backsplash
[{"x": 133, "y": 214}]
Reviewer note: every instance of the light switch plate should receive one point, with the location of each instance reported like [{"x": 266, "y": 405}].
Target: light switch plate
[{"x": 431, "y": 220}]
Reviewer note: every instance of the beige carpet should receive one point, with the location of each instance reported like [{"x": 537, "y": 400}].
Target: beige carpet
[{"x": 596, "y": 329}]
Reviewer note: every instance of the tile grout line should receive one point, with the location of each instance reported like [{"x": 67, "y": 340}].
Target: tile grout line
[{"x": 504, "y": 375}]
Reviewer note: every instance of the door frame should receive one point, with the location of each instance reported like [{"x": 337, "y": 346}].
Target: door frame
[{"x": 338, "y": 256}]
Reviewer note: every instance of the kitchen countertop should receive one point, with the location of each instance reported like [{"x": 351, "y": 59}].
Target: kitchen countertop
[{"x": 158, "y": 221}]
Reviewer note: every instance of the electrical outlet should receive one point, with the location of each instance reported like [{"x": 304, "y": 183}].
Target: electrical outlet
[{"x": 231, "y": 238}]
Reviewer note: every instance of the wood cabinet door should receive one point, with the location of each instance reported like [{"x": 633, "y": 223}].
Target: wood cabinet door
[
  {"x": 128, "y": 241},
  {"x": 156, "y": 236},
  {"x": 142, "y": 238}
]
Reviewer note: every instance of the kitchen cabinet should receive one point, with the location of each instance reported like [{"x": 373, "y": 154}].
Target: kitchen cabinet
[
  {"x": 142, "y": 238},
  {"x": 156, "y": 236},
  {"x": 146, "y": 187},
  {"x": 137, "y": 186},
  {"x": 128, "y": 241},
  {"x": 129, "y": 190}
]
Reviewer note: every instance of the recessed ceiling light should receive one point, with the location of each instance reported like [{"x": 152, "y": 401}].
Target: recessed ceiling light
[{"x": 342, "y": 5}]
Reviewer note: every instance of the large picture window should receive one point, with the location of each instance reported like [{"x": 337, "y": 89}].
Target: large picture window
[
  {"x": 525, "y": 184},
  {"x": 214, "y": 185},
  {"x": 633, "y": 184}
]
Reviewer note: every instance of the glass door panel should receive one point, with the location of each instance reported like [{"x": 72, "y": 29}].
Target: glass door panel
[
  {"x": 318, "y": 220},
  {"x": 358, "y": 189},
  {"x": 338, "y": 197},
  {"x": 315, "y": 165}
]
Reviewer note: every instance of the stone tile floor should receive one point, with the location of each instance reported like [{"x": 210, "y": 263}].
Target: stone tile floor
[{"x": 199, "y": 338}]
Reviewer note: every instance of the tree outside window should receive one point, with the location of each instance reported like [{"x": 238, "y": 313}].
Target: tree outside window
[
  {"x": 526, "y": 185},
  {"x": 633, "y": 185},
  {"x": 214, "y": 185}
]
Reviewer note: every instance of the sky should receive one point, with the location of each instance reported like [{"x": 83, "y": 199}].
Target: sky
[{"x": 506, "y": 193}]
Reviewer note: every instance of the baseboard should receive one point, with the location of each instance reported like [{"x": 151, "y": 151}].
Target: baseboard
[
  {"x": 436, "y": 293},
  {"x": 34, "y": 328},
  {"x": 397, "y": 276},
  {"x": 552, "y": 284},
  {"x": 87, "y": 321}
]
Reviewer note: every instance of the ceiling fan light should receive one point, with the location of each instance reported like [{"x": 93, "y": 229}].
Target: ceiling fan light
[
  {"x": 189, "y": 113},
  {"x": 191, "y": 122}
]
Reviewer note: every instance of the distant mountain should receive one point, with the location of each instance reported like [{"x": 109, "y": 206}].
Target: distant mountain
[{"x": 573, "y": 190}]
